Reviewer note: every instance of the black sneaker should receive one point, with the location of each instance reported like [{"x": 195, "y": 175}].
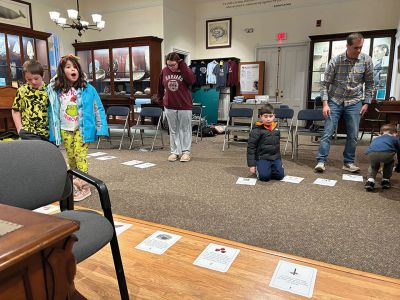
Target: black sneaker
[
  {"x": 386, "y": 184},
  {"x": 369, "y": 186}
]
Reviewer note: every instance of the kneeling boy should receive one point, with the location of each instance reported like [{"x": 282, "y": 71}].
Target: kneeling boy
[{"x": 263, "y": 148}]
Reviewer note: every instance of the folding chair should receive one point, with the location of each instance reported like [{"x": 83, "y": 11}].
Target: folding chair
[
  {"x": 197, "y": 115},
  {"x": 283, "y": 115},
  {"x": 118, "y": 111},
  {"x": 312, "y": 115},
  {"x": 148, "y": 112},
  {"x": 43, "y": 177},
  {"x": 230, "y": 124}
]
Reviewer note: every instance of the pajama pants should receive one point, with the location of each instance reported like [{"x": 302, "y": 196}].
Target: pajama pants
[
  {"x": 180, "y": 130},
  {"x": 76, "y": 150}
]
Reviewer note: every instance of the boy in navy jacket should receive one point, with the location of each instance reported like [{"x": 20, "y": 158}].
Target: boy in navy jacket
[{"x": 383, "y": 150}]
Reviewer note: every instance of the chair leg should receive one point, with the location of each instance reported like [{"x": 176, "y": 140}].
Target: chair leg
[
  {"x": 141, "y": 136},
  {"x": 133, "y": 138},
  {"x": 223, "y": 146}
]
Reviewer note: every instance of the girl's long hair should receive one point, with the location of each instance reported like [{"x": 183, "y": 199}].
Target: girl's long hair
[{"x": 61, "y": 82}]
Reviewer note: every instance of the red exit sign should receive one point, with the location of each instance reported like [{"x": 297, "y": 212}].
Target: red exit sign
[{"x": 280, "y": 36}]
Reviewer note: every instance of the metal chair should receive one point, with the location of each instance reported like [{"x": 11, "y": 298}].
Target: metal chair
[
  {"x": 42, "y": 176},
  {"x": 240, "y": 112},
  {"x": 197, "y": 115},
  {"x": 148, "y": 112},
  {"x": 284, "y": 106},
  {"x": 118, "y": 111},
  {"x": 284, "y": 117},
  {"x": 311, "y": 115},
  {"x": 374, "y": 124}
]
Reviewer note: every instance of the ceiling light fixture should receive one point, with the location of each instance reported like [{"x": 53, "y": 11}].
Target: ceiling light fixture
[{"x": 77, "y": 22}]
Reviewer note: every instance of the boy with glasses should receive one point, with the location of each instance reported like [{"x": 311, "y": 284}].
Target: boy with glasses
[{"x": 263, "y": 148}]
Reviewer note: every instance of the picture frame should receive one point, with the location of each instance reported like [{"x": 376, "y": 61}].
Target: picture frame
[
  {"x": 219, "y": 33},
  {"x": 16, "y": 12}
]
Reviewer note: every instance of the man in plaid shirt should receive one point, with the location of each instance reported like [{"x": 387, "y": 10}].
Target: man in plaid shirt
[{"x": 343, "y": 93}]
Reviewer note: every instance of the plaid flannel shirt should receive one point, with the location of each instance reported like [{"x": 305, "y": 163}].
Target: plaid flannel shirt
[{"x": 344, "y": 80}]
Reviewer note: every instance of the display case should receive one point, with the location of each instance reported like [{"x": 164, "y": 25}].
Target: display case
[
  {"x": 122, "y": 68},
  {"x": 377, "y": 44},
  {"x": 17, "y": 45}
]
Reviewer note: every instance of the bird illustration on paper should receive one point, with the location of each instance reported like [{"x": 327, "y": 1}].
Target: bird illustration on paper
[{"x": 7, "y": 13}]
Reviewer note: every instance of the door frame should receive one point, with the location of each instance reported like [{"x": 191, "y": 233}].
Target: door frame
[{"x": 307, "y": 58}]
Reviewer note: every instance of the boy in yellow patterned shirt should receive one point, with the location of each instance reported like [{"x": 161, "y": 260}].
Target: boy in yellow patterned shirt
[{"x": 30, "y": 107}]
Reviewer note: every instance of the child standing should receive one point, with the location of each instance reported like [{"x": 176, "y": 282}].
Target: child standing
[
  {"x": 263, "y": 148},
  {"x": 76, "y": 117},
  {"x": 382, "y": 150},
  {"x": 30, "y": 107}
]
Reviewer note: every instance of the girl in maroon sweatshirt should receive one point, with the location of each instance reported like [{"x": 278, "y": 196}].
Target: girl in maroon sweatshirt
[{"x": 175, "y": 95}]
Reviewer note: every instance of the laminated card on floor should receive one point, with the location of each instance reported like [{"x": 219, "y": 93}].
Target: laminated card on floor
[
  {"x": 132, "y": 162},
  {"x": 292, "y": 179},
  {"x": 106, "y": 157},
  {"x": 326, "y": 182},
  {"x": 217, "y": 257},
  {"x": 350, "y": 177},
  {"x": 294, "y": 278},
  {"x": 158, "y": 242},
  {"x": 246, "y": 181},
  {"x": 120, "y": 227},
  {"x": 144, "y": 165}
]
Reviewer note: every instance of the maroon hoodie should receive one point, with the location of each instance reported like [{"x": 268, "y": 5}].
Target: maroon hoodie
[{"x": 174, "y": 87}]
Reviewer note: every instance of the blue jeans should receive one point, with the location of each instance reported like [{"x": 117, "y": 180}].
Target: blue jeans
[
  {"x": 352, "y": 117},
  {"x": 269, "y": 169}
]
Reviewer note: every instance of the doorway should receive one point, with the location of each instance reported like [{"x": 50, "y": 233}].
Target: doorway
[{"x": 285, "y": 74}]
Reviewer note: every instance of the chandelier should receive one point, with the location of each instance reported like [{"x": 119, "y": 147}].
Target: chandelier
[{"x": 76, "y": 20}]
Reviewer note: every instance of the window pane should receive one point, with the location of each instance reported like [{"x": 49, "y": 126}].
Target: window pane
[
  {"x": 141, "y": 70},
  {"x": 102, "y": 71},
  {"x": 4, "y": 80},
  {"x": 41, "y": 55},
  {"x": 29, "y": 48},
  {"x": 15, "y": 58},
  {"x": 121, "y": 71},
  {"x": 320, "y": 59},
  {"x": 338, "y": 47},
  {"x": 380, "y": 59}
]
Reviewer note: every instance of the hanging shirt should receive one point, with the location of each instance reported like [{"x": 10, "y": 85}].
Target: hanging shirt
[
  {"x": 69, "y": 110},
  {"x": 232, "y": 74},
  {"x": 201, "y": 74},
  {"x": 211, "y": 78},
  {"x": 221, "y": 72}
]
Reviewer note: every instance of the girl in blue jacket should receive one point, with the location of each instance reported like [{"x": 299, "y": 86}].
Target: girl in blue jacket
[{"x": 76, "y": 117}]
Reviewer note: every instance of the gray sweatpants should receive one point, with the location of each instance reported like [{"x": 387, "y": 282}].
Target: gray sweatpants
[
  {"x": 180, "y": 130},
  {"x": 375, "y": 159}
]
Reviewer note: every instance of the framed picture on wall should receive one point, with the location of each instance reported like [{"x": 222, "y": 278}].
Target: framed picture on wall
[
  {"x": 16, "y": 12},
  {"x": 219, "y": 33}
]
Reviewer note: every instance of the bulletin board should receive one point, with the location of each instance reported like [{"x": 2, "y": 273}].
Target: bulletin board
[{"x": 251, "y": 78}]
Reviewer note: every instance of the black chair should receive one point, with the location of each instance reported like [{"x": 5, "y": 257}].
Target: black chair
[
  {"x": 197, "y": 115},
  {"x": 372, "y": 125},
  {"x": 284, "y": 117},
  {"x": 307, "y": 115},
  {"x": 118, "y": 111},
  {"x": 284, "y": 106},
  {"x": 242, "y": 113},
  {"x": 34, "y": 174},
  {"x": 151, "y": 112}
]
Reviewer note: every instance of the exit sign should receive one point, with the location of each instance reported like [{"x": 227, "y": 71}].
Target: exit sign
[{"x": 280, "y": 36}]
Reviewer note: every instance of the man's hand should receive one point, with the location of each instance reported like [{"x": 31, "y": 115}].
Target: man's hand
[
  {"x": 364, "y": 109},
  {"x": 253, "y": 170},
  {"x": 326, "y": 111}
]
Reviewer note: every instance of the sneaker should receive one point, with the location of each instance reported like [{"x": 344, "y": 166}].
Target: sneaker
[
  {"x": 173, "y": 157},
  {"x": 82, "y": 194},
  {"x": 351, "y": 168},
  {"x": 320, "y": 167},
  {"x": 185, "y": 157},
  {"x": 369, "y": 186},
  {"x": 385, "y": 183}
]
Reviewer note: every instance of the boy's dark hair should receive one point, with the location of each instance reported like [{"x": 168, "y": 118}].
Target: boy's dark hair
[
  {"x": 266, "y": 109},
  {"x": 61, "y": 82},
  {"x": 388, "y": 128},
  {"x": 33, "y": 66}
]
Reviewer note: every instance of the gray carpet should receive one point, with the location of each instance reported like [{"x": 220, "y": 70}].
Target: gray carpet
[{"x": 343, "y": 225}]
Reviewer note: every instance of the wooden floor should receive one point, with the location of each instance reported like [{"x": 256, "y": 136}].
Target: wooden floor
[{"x": 173, "y": 275}]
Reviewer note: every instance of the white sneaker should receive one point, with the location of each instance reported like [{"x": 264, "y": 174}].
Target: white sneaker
[
  {"x": 82, "y": 194},
  {"x": 351, "y": 168},
  {"x": 173, "y": 157},
  {"x": 320, "y": 167},
  {"x": 185, "y": 157}
]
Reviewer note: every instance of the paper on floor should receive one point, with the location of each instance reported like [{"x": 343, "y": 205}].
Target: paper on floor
[
  {"x": 158, "y": 242},
  {"x": 246, "y": 181},
  {"x": 132, "y": 162},
  {"x": 326, "y": 182},
  {"x": 106, "y": 157},
  {"x": 217, "y": 257},
  {"x": 292, "y": 179},
  {"x": 358, "y": 178},
  {"x": 145, "y": 165}
]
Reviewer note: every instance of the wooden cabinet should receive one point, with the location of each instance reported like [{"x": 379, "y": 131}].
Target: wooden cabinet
[
  {"x": 378, "y": 44},
  {"x": 123, "y": 67},
  {"x": 17, "y": 45}
]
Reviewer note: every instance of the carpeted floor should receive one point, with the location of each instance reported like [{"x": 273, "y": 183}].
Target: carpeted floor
[{"x": 343, "y": 225}]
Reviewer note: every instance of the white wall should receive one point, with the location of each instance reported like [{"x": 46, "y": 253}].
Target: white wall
[
  {"x": 179, "y": 26},
  {"x": 298, "y": 22}
]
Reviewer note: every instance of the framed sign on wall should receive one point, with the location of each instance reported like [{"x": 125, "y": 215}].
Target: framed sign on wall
[
  {"x": 251, "y": 78},
  {"x": 16, "y": 12},
  {"x": 219, "y": 33}
]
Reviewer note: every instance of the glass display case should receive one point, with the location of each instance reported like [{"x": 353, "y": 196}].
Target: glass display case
[
  {"x": 377, "y": 44},
  {"x": 17, "y": 45},
  {"x": 123, "y": 68}
]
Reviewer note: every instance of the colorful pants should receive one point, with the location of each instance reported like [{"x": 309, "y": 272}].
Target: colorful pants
[{"x": 76, "y": 150}]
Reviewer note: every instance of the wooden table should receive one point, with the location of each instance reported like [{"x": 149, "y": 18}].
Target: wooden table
[
  {"x": 7, "y": 95},
  {"x": 173, "y": 275},
  {"x": 36, "y": 261}
]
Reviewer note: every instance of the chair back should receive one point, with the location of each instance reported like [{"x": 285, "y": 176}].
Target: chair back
[
  {"x": 32, "y": 174},
  {"x": 239, "y": 112},
  {"x": 284, "y": 106},
  {"x": 310, "y": 115},
  {"x": 283, "y": 113},
  {"x": 317, "y": 102},
  {"x": 151, "y": 112},
  {"x": 121, "y": 111},
  {"x": 197, "y": 110}
]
